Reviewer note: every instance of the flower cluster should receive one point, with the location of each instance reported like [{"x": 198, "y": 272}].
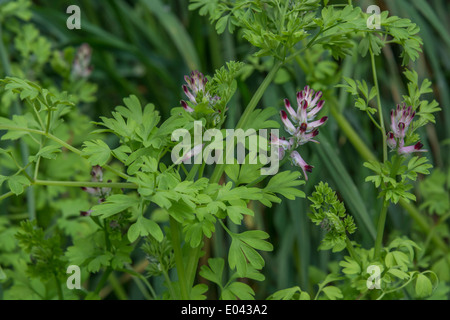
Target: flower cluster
[
  {"x": 196, "y": 91},
  {"x": 401, "y": 119},
  {"x": 81, "y": 68},
  {"x": 101, "y": 193},
  {"x": 301, "y": 125}
]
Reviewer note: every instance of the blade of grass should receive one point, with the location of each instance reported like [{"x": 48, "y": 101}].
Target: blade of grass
[
  {"x": 302, "y": 237},
  {"x": 176, "y": 31},
  {"x": 433, "y": 19},
  {"x": 346, "y": 186}
]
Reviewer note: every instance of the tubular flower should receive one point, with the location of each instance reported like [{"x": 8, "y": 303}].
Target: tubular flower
[
  {"x": 401, "y": 119},
  {"x": 186, "y": 107},
  {"x": 301, "y": 125},
  {"x": 100, "y": 193},
  {"x": 298, "y": 161},
  {"x": 97, "y": 176},
  {"x": 195, "y": 90},
  {"x": 85, "y": 213}
]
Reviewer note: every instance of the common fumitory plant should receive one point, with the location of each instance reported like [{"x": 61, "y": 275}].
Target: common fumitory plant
[{"x": 106, "y": 196}]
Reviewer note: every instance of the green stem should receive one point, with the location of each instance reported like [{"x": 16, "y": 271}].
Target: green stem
[
  {"x": 193, "y": 256},
  {"x": 36, "y": 168},
  {"x": 192, "y": 263},
  {"x": 176, "y": 242},
  {"x": 351, "y": 250},
  {"x": 139, "y": 276},
  {"x": 202, "y": 169},
  {"x": 169, "y": 284},
  {"x": 374, "y": 121},
  {"x": 79, "y": 184},
  {"x": 117, "y": 287},
  {"x": 58, "y": 287},
  {"x": 62, "y": 143},
  {"x": 107, "y": 241},
  {"x": 38, "y": 117},
  {"x": 258, "y": 95},
  {"x": 411, "y": 277},
  {"x": 380, "y": 230},
  {"x": 380, "y": 109},
  {"x": 103, "y": 280},
  {"x": 6, "y": 195},
  {"x": 397, "y": 161},
  {"x": 49, "y": 117},
  {"x": 193, "y": 172}
]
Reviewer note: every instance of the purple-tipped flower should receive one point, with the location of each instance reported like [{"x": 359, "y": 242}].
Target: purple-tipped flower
[
  {"x": 390, "y": 139},
  {"x": 401, "y": 119},
  {"x": 97, "y": 176},
  {"x": 298, "y": 161},
  {"x": 410, "y": 149},
  {"x": 301, "y": 125},
  {"x": 195, "y": 90},
  {"x": 85, "y": 213},
  {"x": 287, "y": 123},
  {"x": 186, "y": 107}
]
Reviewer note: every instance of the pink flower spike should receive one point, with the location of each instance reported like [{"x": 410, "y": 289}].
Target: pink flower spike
[
  {"x": 287, "y": 123},
  {"x": 298, "y": 161},
  {"x": 401, "y": 119},
  {"x": 186, "y": 107}
]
